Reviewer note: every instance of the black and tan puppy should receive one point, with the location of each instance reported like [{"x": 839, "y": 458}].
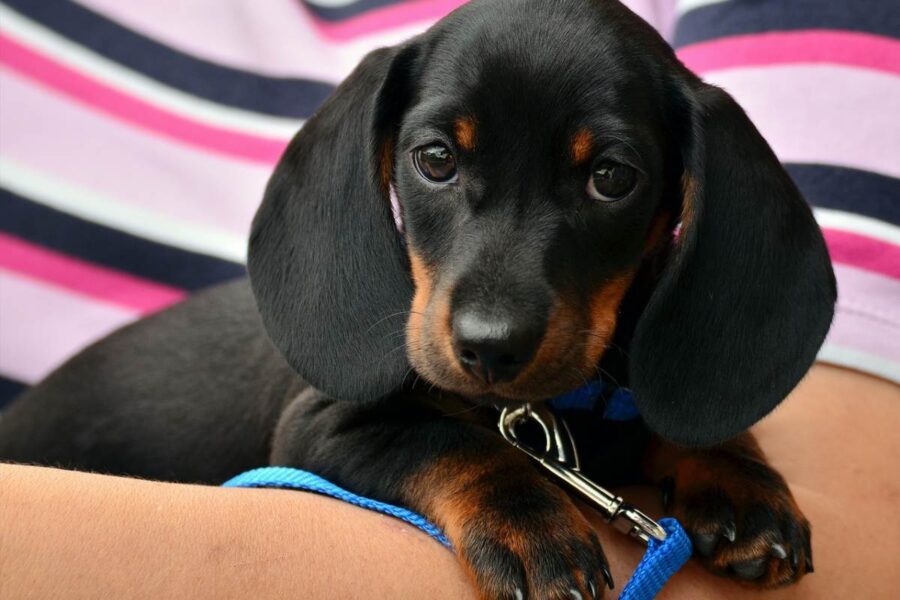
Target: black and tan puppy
[{"x": 544, "y": 153}]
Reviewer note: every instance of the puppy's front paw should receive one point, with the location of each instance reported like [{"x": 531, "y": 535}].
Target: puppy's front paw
[
  {"x": 533, "y": 545},
  {"x": 744, "y": 522}
]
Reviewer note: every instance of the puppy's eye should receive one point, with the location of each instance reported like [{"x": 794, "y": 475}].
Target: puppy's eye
[
  {"x": 611, "y": 181},
  {"x": 435, "y": 163}
]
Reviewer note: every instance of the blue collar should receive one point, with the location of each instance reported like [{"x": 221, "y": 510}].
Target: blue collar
[{"x": 619, "y": 401}]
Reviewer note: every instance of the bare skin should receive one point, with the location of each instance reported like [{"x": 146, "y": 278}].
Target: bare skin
[{"x": 76, "y": 535}]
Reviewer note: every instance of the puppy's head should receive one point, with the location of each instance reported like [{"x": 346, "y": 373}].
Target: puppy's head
[{"x": 539, "y": 154}]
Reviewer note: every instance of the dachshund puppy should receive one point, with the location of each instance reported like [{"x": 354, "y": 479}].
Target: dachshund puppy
[{"x": 528, "y": 195}]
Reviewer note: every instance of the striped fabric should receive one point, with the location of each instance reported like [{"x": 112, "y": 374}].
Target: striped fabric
[
  {"x": 136, "y": 139},
  {"x": 821, "y": 80}
]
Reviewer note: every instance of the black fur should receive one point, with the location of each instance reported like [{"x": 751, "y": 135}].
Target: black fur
[{"x": 716, "y": 327}]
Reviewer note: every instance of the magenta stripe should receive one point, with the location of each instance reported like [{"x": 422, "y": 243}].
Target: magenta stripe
[
  {"x": 863, "y": 252},
  {"x": 387, "y": 17},
  {"x": 136, "y": 112},
  {"x": 818, "y": 46},
  {"x": 85, "y": 278}
]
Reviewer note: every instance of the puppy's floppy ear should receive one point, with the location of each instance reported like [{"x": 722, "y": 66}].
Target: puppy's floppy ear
[
  {"x": 325, "y": 260},
  {"x": 748, "y": 295}
]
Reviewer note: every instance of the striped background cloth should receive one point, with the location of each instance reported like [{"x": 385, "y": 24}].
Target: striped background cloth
[{"x": 136, "y": 139}]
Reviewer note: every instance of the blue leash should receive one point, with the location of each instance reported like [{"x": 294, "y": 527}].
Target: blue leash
[
  {"x": 660, "y": 562},
  {"x": 296, "y": 479}
]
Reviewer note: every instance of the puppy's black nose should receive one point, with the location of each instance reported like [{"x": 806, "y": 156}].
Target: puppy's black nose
[{"x": 494, "y": 347}]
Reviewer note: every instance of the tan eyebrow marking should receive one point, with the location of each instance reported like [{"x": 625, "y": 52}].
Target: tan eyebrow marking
[
  {"x": 582, "y": 146},
  {"x": 465, "y": 133}
]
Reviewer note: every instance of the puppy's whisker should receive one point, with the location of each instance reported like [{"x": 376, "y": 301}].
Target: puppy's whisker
[
  {"x": 462, "y": 412},
  {"x": 391, "y": 351},
  {"x": 403, "y": 381},
  {"x": 385, "y": 318},
  {"x": 580, "y": 375},
  {"x": 394, "y": 334},
  {"x": 604, "y": 374}
]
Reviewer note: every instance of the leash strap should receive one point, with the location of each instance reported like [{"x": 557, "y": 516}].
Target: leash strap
[
  {"x": 295, "y": 479},
  {"x": 660, "y": 562}
]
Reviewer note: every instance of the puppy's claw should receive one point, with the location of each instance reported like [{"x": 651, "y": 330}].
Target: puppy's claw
[
  {"x": 729, "y": 530},
  {"x": 608, "y": 577},
  {"x": 778, "y": 551},
  {"x": 575, "y": 594},
  {"x": 667, "y": 491}
]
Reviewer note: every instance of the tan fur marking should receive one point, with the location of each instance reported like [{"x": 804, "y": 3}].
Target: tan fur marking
[
  {"x": 582, "y": 146},
  {"x": 604, "y": 315},
  {"x": 688, "y": 196},
  {"x": 443, "y": 333},
  {"x": 386, "y": 166},
  {"x": 553, "y": 345},
  {"x": 422, "y": 282},
  {"x": 465, "y": 133}
]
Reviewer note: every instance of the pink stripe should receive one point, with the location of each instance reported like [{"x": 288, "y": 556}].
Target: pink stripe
[
  {"x": 91, "y": 151},
  {"x": 85, "y": 278},
  {"x": 776, "y": 48},
  {"x": 387, "y": 17},
  {"x": 797, "y": 110},
  {"x": 868, "y": 313},
  {"x": 137, "y": 112},
  {"x": 863, "y": 252},
  {"x": 43, "y": 325}
]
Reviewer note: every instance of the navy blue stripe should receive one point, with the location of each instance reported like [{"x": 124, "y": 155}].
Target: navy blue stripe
[
  {"x": 9, "y": 389},
  {"x": 111, "y": 248},
  {"x": 881, "y": 17},
  {"x": 851, "y": 190},
  {"x": 340, "y": 13},
  {"x": 285, "y": 97}
]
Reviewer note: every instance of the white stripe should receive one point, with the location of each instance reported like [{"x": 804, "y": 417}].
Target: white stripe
[
  {"x": 853, "y": 223},
  {"x": 684, "y": 6},
  {"x": 860, "y": 361},
  {"x": 93, "y": 65},
  {"x": 119, "y": 215},
  {"x": 332, "y": 3}
]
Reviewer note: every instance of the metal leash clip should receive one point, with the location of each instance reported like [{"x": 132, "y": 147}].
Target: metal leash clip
[{"x": 560, "y": 457}]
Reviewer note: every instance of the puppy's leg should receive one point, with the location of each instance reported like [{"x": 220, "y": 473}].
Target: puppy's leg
[
  {"x": 738, "y": 510},
  {"x": 516, "y": 534}
]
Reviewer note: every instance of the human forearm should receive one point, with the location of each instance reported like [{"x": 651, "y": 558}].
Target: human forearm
[{"x": 76, "y": 535}]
